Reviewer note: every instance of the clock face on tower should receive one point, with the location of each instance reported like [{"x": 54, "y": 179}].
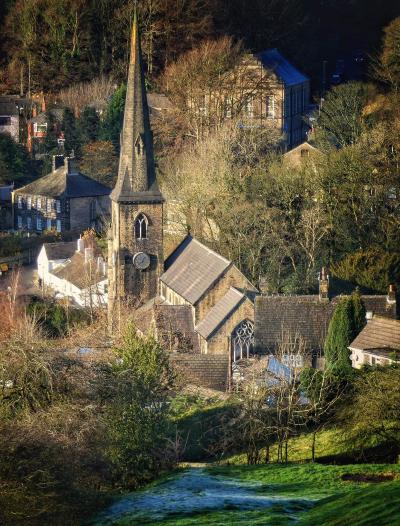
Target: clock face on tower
[{"x": 141, "y": 260}]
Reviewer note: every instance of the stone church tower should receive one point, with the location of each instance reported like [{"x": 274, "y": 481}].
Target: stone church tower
[{"x": 135, "y": 249}]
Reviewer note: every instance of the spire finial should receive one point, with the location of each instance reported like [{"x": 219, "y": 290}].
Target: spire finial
[{"x": 134, "y": 37}]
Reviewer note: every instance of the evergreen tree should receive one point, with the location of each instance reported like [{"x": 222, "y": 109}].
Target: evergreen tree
[
  {"x": 15, "y": 164},
  {"x": 89, "y": 125},
  {"x": 347, "y": 321},
  {"x": 71, "y": 132},
  {"x": 138, "y": 419},
  {"x": 112, "y": 123}
]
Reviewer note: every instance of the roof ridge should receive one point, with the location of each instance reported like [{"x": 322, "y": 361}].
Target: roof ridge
[{"x": 211, "y": 250}]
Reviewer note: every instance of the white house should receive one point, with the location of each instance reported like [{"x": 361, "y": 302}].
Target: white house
[
  {"x": 377, "y": 344},
  {"x": 71, "y": 270}
]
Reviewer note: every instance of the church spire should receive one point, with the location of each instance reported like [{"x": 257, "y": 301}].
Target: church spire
[{"x": 136, "y": 174}]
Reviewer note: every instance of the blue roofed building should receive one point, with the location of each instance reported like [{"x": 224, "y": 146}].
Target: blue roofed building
[{"x": 289, "y": 99}]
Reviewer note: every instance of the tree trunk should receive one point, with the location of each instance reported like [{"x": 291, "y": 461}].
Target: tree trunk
[{"x": 314, "y": 437}]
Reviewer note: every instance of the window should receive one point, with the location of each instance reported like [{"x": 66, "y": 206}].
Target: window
[
  {"x": 304, "y": 152},
  {"x": 38, "y": 223},
  {"x": 5, "y": 121},
  {"x": 29, "y": 202},
  {"x": 19, "y": 219},
  {"x": 48, "y": 226},
  {"x": 141, "y": 225},
  {"x": 40, "y": 128},
  {"x": 270, "y": 107},
  {"x": 38, "y": 203},
  {"x": 29, "y": 223},
  {"x": 58, "y": 223},
  {"x": 242, "y": 340},
  {"x": 19, "y": 201},
  {"x": 228, "y": 103},
  {"x": 249, "y": 107},
  {"x": 49, "y": 205},
  {"x": 58, "y": 206}
]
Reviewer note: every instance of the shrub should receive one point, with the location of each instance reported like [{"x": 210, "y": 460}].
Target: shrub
[{"x": 372, "y": 269}]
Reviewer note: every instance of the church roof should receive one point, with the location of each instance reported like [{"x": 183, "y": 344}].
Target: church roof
[
  {"x": 192, "y": 269},
  {"x": 220, "y": 312},
  {"x": 66, "y": 182},
  {"x": 136, "y": 174},
  {"x": 273, "y": 60}
]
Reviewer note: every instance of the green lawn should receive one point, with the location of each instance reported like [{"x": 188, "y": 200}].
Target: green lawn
[{"x": 314, "y": 494}]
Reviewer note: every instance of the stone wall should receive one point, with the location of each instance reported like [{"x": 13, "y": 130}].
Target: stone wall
[
  {"x": 231, "y": 278},
  {"x": 220, "y": 342},
  {"x": 203, "y": 370}
]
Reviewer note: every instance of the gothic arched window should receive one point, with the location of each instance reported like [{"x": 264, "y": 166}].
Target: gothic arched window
[
  {"x": 242, "y": 340},
  {"x": 141, "y": 227}
]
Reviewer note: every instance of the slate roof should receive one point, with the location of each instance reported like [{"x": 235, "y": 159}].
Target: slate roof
[
  {"x": 43, "y": 117},
  {"x": 77, "y": 272},
  {"x": 305, "y": 316},
  {"x": 380, "y": 333},
  {"x": 60, "y": 183},
  {"x": 192, "y": 269},
  {"x": 219, "y": 313},
  {"x": 167, "y": 319},
  {"x": 272, "y": 59},
  {"x": 60, "y": 250},
  {"x": 8, "y": 109}
]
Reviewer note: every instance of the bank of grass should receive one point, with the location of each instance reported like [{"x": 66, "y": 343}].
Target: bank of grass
[
  {"x": 307, "y": 479},
  {"x": 338, "y": 502}
]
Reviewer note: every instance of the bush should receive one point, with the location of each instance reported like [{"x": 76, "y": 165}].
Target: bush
[
  {"x": 372, "y": 269},
  {"x": 56, "y": 320}
]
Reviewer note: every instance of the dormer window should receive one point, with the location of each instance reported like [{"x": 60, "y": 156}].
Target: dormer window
[{"x": 141, "y": 226}]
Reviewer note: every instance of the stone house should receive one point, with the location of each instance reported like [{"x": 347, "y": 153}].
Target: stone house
[
  {"x": 64, "y": 200},
  {"x": 307, "y": 317},
  {"x": 264, "y": 89},
  {"x": 377, "y": 344},
  {"x": 75, "y": 272},
  {"x": 300, "y": 155}
]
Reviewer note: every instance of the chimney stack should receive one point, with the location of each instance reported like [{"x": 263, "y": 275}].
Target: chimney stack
[
  {"x": 34, "y": 111},
  {"x": 58, "y": 160},
  {"x": 43, "y": 105},
  {"x": 71, "y": 165},
  {"x": 80, "y": 245},
  {"x": 391, "y": 297},
  {"x": 323, "y": 285}
]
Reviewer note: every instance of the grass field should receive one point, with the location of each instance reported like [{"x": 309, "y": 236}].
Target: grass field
[{"x": 272, "y": 494}]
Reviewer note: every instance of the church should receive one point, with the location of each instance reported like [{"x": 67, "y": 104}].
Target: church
[{"x": 197, "y": 296}]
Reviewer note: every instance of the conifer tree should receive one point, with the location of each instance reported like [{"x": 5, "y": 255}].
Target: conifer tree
[
  {"x": 347, "y": 321},
  {"x": 71, "y": 132}
]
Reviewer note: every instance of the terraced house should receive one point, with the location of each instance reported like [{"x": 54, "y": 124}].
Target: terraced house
[{"x": 64, "y": 200}]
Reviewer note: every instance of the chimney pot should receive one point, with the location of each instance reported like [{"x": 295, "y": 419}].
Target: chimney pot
[
  {"x": 323, "y": 285},
  {"x": 391, "y": 297}
]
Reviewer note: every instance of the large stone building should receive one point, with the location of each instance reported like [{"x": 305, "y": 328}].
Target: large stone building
[
  {"x": 197, "y": 293},
  {"x": 262, "y": 90},
  {"x": 64, "y": 200}
]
